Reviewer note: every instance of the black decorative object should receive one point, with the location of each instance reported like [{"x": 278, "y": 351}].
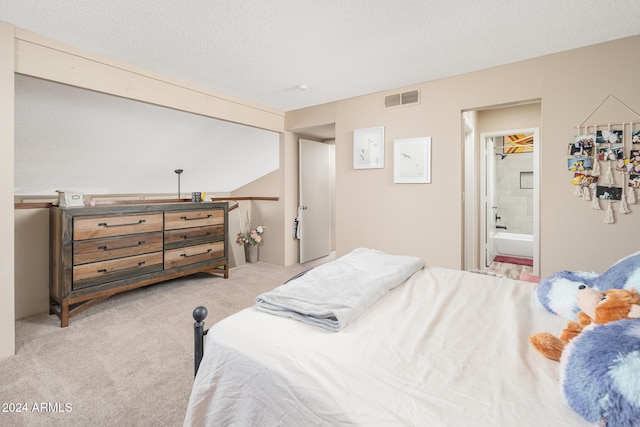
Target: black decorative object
[{"x": 179, "y": 171}]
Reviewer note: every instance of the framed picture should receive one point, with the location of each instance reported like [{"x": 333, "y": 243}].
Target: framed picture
[
  {"x": 368, "y": 148},
  {"x": 412, "y": 161}
]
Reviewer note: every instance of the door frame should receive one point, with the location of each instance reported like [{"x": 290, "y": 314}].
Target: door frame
[
  {"x": 471, "y": 245},
  {"x": 482, "y": 225}
]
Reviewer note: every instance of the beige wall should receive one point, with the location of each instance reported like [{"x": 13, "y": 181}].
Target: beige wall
[
  {"x": 508, "y": 118},
  {"x": 264, "y": 212},
  {"x": 31, "y": 262},
  {"x": 426, "y": 219},
  {"x": 7, "y": 328}
]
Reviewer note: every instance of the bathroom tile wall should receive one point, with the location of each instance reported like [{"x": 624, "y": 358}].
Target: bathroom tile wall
[{"x": 515, "y": 204}]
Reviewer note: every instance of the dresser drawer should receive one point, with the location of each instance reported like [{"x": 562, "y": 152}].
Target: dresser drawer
[
  {"x": 116, "y": 225},
  {"x": 86, "y": 251},
  {"x": 180, "y": 238},
  {"x": 186, "y": 219},
  {"x": 117, "y": 269},
  {"x": 193, "y": 254}
]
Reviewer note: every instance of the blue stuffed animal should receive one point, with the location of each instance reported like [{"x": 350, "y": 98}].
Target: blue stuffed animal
[
  {"x": 600, "y": 374},
  {"x": 557, "y": 293}
]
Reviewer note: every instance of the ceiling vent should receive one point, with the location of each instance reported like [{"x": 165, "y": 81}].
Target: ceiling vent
[{"x": 402, "y": 99}]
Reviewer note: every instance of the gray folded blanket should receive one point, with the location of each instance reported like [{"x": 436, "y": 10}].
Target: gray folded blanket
[{"x": 333, "y": 295}]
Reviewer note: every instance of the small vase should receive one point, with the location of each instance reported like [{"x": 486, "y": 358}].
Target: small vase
[{"x": 251, "y": 253}]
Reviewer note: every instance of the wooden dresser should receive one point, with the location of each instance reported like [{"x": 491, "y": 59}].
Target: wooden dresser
[{"x": 97, "y": 252}]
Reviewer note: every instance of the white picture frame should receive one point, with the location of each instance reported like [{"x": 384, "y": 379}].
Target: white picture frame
[
  {"x": 412, "y": 161},
  {"x": 368, "y": 148}
]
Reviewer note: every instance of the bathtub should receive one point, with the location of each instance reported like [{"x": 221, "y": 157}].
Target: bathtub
[{"x": 513, "y": 244}]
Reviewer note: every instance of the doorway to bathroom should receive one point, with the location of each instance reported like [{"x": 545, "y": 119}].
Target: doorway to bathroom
[
  {"x": 501, "y": 196},
  {"x": 510, "y": 197}
]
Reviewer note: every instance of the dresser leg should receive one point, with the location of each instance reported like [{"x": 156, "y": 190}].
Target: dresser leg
[{"x": 64, "y": 314}]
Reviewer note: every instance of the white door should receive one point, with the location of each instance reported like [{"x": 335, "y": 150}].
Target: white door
[
  {"x": 490, "y": 202},
  {"x": 314, "y": 210}
]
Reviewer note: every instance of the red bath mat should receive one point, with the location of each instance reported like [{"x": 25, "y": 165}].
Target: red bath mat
[{"x": 514, "y": 260}]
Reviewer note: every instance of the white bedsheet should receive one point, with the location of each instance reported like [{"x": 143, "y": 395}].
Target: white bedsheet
[{"x": 446, "y": 348}]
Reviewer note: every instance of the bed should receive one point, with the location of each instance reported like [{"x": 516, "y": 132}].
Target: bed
[{"x": 442, "y": 348}]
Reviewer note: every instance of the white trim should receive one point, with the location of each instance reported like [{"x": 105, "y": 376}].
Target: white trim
[
  {"x": 536, "y": 190},
  {"x": 471, "y": 245}
]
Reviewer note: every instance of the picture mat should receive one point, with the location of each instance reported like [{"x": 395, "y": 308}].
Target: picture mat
[
  {"x": 412, "y": 161},
  {"x": 368, "y": 148}
]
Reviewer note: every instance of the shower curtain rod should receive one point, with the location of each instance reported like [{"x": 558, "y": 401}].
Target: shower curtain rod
[{"x": 514, "y": 146}]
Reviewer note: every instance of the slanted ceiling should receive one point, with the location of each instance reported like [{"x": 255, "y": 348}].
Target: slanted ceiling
[{"x": 73, "y": 139}]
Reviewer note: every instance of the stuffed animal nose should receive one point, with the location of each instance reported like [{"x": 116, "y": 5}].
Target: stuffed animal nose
[{"x": 581, "y": 287}]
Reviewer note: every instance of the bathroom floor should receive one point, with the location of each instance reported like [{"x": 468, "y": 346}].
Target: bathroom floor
[
  {"x": 505, "y": 269},
  {"x": 513, "y": 271}
]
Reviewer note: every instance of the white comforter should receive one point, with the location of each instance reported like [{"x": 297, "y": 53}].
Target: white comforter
[
  {"x": 333, "y": 295},
  {"x": 446, "y": 348}
]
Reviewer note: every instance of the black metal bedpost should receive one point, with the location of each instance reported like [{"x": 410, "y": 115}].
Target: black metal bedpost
[{"x": 199, "y": 314}]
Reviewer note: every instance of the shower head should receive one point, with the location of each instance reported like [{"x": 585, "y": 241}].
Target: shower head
[{"x": 502, "y": 156}]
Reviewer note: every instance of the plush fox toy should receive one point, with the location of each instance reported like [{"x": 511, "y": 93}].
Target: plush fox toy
[{"x": 597, "y": 307}]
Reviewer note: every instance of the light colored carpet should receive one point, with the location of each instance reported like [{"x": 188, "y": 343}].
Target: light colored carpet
[{"x": 127, "y": 361}]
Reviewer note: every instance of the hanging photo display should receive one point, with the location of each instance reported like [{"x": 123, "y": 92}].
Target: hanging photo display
[
  {"x": 608, "y": 193},
  {"x": 580, "y": 163},
  {"x": 584, "y": 180},
  {"x": 609, "y": 137},
  {"x": 582, "y": 146},
  {"x": 632, "y": 164},
  {"x": 611, "y": 153},
  {"x": 597, "y": 149}
]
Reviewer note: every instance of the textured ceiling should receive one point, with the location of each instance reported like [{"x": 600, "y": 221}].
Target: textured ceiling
[{"x": 262, "y": 50}]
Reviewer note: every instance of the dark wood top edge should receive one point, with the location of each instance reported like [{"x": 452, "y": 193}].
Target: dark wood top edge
[
  {"x": 40, "y": 205},
  {"x": 100, "y": 203},
  {"x": 272, "y": 199}
]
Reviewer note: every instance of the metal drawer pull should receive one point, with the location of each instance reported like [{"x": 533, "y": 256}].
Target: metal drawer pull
[
  {"x": 191, "y": 219},
  {"x": 186, "y": 237},
  {"x": 104, "y": 224},
  {"x": 201, "y": 253},
  {"x": 104, "y": 270},
  {"x": 104, "y": 248}
]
